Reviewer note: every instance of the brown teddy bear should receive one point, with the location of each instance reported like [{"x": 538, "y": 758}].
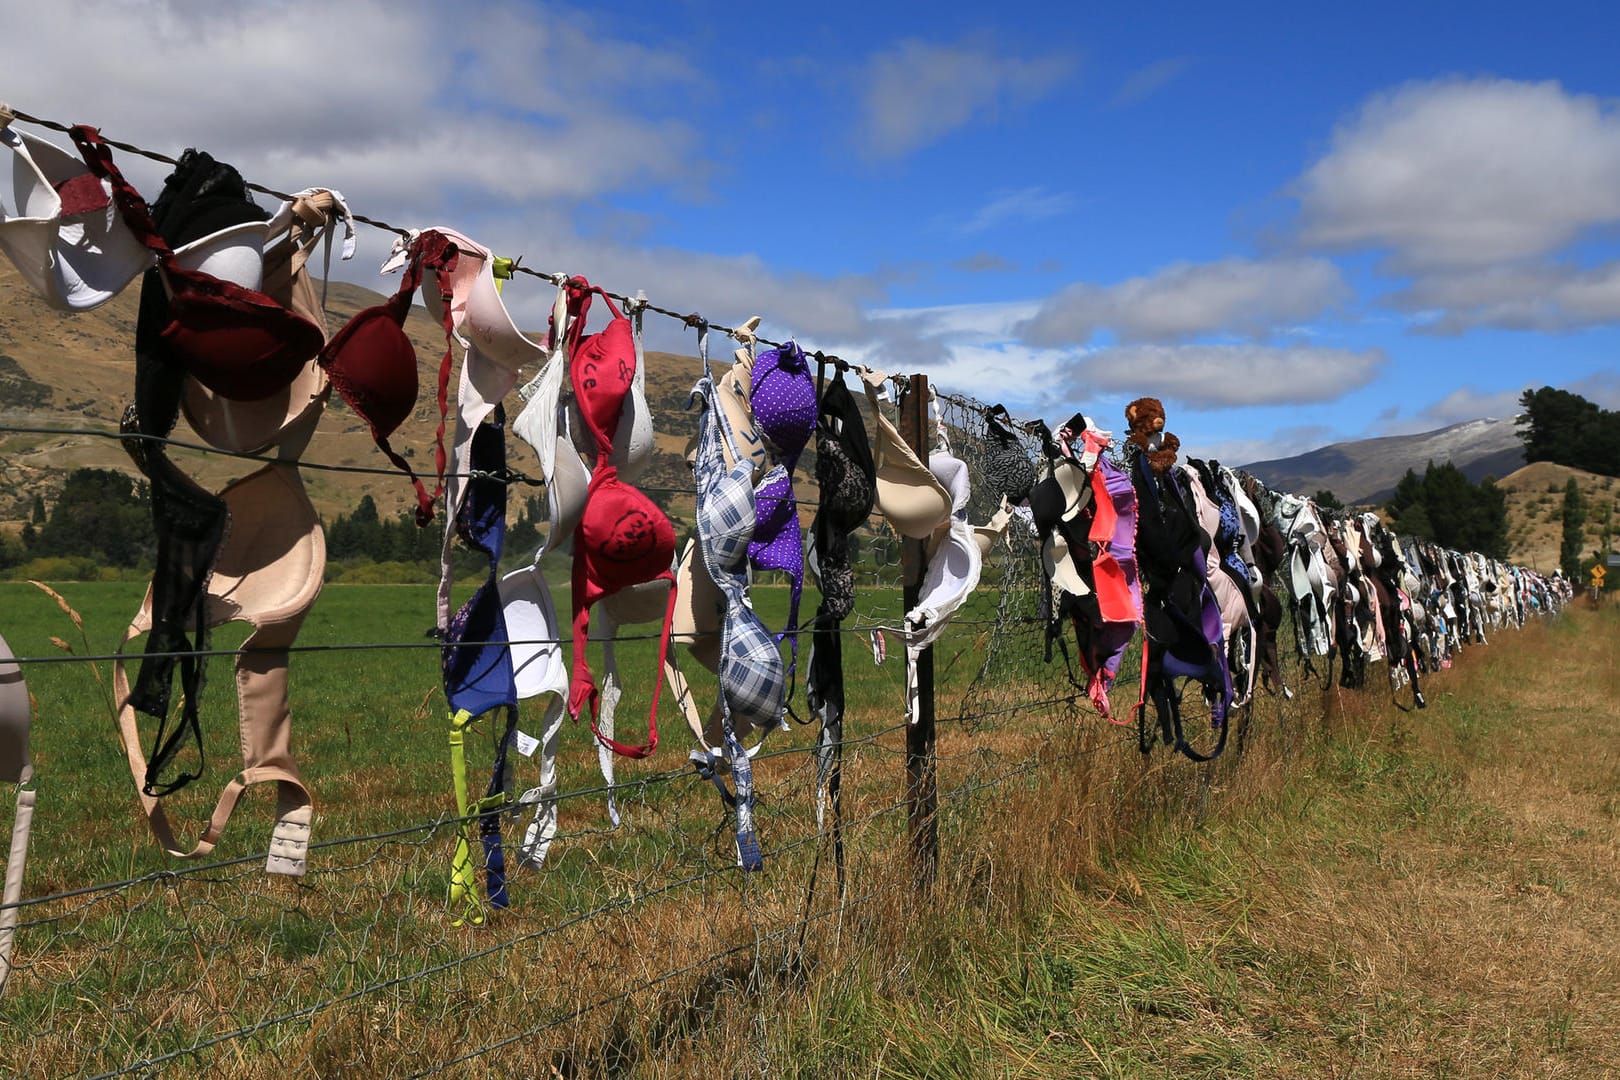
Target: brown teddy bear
[{"x": 1146, "y": 419}]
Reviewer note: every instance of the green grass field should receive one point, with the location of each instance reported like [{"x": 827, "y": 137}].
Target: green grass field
[
  {"x": 370, "y": 736},
  {"x": 1088, "y": 918}
]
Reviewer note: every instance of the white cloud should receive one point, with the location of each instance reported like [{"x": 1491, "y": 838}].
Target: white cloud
[
  {"x": 918, "y": 91},
  {"x": 1285, "y": 442},
  {"x": 1226, "y": 376},
  {"x": 1603, "y": 388},
  {"x": 1469, "y": 403},
  {"x": 1189, "y": 299},
  {"x": 495, "y": 121},
  {"x": 1023, "y": 205},
  {"x": 395, "y": 102},
  {"x": 1146, "y": 81},
  {"x": 1466, "y": 174},
  {"x": 1526, "y": 296},
  {"x": 724, "y": 287},
  {"x": 966, "y": 348}
]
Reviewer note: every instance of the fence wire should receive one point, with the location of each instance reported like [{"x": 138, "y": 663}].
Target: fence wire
[{"x": 638, "y": 927}]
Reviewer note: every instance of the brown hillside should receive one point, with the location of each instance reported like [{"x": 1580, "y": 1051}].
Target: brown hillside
[
  {"x": 1535, "y": 503},
  {"x": 77, "y": 371}
]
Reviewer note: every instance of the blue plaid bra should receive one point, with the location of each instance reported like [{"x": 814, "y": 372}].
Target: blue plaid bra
[{"x": 753, "y": 680}]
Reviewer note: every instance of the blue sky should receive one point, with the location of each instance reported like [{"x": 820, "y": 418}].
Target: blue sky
[{"x": 1293, "y": 224}]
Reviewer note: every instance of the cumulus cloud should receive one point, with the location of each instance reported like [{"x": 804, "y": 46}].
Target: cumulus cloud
[
  {"x": 1602, "y": 387},
  {"x": 1283, "y": 443},
  {"x": 918, "y": 92},
  {"x": 393, "y": 102},
  {"x": 1527, "y": 296},
  {"x": 1226, "y": 376},
  {"x": 966, "y": 348},
  {"x": 498, "y": 122},
  {"x": 1469, "y": 403},
  {"x": 724, "y": 287},
  {"x": 1189, "y": 299},
  {"x": 1146, "y": 81},
  {"x": 1465, "y": 174}
]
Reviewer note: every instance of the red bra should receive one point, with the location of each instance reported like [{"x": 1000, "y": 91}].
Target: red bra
[
  {"x": 373, "y": 364},
  {"x": 623, "y": 538},
  {"x": 236, "y": 341}
]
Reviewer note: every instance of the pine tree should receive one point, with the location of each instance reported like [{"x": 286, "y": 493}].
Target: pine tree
[{"x": 1569, "y": 552}]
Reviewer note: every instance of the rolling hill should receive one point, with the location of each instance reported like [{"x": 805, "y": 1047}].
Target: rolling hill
[
  {"x": 64, "y": 371},
  {"x": 1366, "y": 470},
  {"x": 1535, "y": 500},
  {"x": 77, "y": 372}
]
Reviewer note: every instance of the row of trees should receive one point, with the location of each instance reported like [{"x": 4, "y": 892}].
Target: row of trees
[
  {"x": 1566, "y": 429},
  {"x": 101, "y": 515},
  {"x": 1443, "y": 505},
  {"x": 366, "y": 534}
]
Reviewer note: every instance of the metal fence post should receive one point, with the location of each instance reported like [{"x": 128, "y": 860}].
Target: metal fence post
[{"x": 922, "y": 793}]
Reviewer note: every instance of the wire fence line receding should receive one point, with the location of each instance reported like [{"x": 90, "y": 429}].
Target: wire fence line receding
[
  {"x": 128, "y": 964},
  {"x": 212, "y": 964},
  {"x": 359, "y": 966}
]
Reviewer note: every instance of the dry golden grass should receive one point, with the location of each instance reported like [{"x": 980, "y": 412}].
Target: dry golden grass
[{"x": 1366, "y": 892}]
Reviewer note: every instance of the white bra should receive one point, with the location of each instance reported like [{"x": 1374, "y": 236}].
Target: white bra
[{"x": 75, "y": 262}]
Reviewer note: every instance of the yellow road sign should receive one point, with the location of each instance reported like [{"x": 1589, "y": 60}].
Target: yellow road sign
[{"x": 1598, "y": 574}]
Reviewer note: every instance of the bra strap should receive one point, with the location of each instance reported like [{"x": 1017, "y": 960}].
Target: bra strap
[
  {"x": 645, "y": 749},
  {"x": 131, "y": 206}
]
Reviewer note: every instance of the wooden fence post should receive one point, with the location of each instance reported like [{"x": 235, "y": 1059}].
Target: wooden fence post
[{"x": 922, "y": 793}]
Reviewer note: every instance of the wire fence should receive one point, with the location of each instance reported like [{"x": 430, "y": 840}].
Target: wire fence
[
  {"x": 635, "y": 931},
  {"x": 629, "y": 935}
]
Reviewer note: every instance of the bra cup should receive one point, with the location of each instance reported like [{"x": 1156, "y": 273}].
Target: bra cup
[
  {"x": 235, "y": 254},
  {"x": 952, "y": 474},
  {"x": 602, "y": 374},
  {"x": 15, "y": 718},
  {"x": 1209, "y": 516},
  {"x": 1247, "y": 511},
  {"x": 532, "y": 626},
  {"x": 950, "y": 578},
  {"x": 782, "y": 397},
  {"x": 567, "y": 495},
  {"x": 75, "y": 262},
  {"x": 642, "y": 603},
  {"x": 1046, "y": 505},
  {"x": 473, "y": 265},
  {"x": 752, "y": 674},
  {"x": 846, "y": 491},
  {"x": 288, "y": 417},
  {"x": 699, "y": 605},
  {"x": 373, "y": 364},
  {"x": 730, "y": 390},
  {"x": 634, "y": 442},
  {"x": 1071, "y": 480},
  {"x": 908, "y": 495},
  {"x": 270, "y": 568},
  {"x": 986, "y": 535},
  {"x": 1060, "y": 566},
  {"x": 626, "y": 542},
  {"x": 727, "y": 540}
]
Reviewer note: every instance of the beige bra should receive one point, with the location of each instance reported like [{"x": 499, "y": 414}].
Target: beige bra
[{"x": 909, "y": 496}]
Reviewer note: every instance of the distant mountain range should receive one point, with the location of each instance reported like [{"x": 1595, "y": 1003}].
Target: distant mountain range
[{"x": 1367, "y": 470}]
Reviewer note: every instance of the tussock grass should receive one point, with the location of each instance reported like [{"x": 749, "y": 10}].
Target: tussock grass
[
  {"x": 1378, "y": 894},
  {"x": 1362, "y": 892}
]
